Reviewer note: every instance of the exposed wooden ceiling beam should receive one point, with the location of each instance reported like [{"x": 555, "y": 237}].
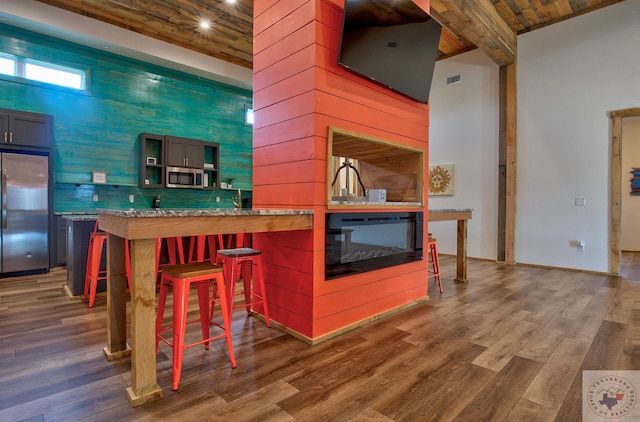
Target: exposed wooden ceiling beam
[{"x": 481, "y": 24}]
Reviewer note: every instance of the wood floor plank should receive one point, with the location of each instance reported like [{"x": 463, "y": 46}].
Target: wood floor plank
[
  {"x": 365, "y": 366},
  {"x": 259, "y": 405},
  {"x": 533, "y": 329},
  {"x": 630, "y": 357},
  {"x": 499, "y": 327},
  {"x": 501, "y": 394},
  {"x": 530, "y": 296},
  {"x": 574, "y": 306},
  {"x": 370, "y": 415},
  {"x": 547, "y": 309},
  {"x": 609, "y": 341},
  {"x": 632, "y": 343},
  {"x": 437, "y": 398},
  {"x": 503, "y": 349},
  {"x": 588, "y": 323},
  {"x": 553, "y": 381},
  {"x": 529, "y": 411},
  {"x": 541, "y": 345},
  {"x": 622, "y": 305},
  {"x": 65, "y": 402},
  {"x": 414, "y": 390},
  {"x": 267, "y": 363}
]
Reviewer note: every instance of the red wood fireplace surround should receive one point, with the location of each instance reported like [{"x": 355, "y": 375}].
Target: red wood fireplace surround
[{"x": 299, "y": 92}]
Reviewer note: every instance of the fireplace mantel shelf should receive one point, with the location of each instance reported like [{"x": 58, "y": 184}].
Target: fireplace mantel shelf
[{"x": 375, "y": 204}]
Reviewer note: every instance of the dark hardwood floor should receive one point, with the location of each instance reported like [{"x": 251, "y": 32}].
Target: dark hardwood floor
[{"x": 509, "y": 346}]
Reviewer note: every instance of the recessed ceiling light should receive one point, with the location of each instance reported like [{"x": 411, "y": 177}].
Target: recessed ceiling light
[
  {"x": 205, "y": 24},
  {"x": 231, "y": 1}
]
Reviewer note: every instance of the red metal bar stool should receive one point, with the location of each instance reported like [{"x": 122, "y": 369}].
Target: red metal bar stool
[
  {"x": 245, "y": 263},
  {"x": 93, "y": 274},
  {"x": 97, "y": 239},
  {"x": 181, "y": 277},
  {"x": 434, "y": 262},
  {"x": 175, "y": 250},
  {"x": 197, "y": 246},
  {"x": 213, "y": 242}
]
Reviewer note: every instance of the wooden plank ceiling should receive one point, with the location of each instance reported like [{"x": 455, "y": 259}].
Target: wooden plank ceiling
[{"x": 491, "y": 25}]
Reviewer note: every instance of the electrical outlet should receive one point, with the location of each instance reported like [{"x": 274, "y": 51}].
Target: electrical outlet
[
  {"x": 95, "y": 197},
  {"x": 131, "y": 199},
  {"x": 581, "y": 202},
  {"x": 580, "y": 246},
  {"x": 217, "y": 199}
]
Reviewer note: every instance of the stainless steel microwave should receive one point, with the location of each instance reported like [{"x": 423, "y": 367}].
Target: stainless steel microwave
[{"x": 181, "y": 177}]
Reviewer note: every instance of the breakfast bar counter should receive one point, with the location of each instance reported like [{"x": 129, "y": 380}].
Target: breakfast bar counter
[{"x": 142, "y": 227}]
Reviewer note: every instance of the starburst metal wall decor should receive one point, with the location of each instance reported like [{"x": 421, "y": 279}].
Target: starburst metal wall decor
[{"x": 441, "y": 179}]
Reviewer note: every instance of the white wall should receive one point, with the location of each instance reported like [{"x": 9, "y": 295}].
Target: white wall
[
  {"x": 463, "y": 130},
  {"x": 630, "y": 221},
  {"x": 570, "y": 75}
]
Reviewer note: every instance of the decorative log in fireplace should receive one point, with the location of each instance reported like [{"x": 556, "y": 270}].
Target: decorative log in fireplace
[{"x": 358, "y": 242}]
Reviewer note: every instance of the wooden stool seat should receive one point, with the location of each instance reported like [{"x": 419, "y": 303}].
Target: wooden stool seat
[
  {"x": 240, "y": 263},
  {"x": 181, "y": 277},
  {"x": 434, "y": 262}
]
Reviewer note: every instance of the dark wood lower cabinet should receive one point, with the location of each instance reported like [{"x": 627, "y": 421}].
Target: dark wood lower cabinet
[
  {"x": 61, "y": 241},
  {"x": 78, "y": 234}
]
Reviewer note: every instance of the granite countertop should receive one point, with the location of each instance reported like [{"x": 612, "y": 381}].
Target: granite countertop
[
  {"x": 78, "y": 216},
  {"x": 63, "y": 213},
  {"x": 197, "y": 212},
  {"x": 451, "y": 210}
]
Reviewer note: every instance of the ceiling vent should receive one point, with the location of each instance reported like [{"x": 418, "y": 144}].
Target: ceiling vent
[{"x": 453, "y": 79}]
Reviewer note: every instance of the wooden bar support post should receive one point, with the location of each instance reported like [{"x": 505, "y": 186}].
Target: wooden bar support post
[
  {"x": 116, "y": 300},
  {"x": 461, "y": 261},
  {"x": 144, "y": 385}
]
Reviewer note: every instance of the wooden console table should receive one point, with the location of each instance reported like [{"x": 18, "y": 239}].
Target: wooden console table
[
  {"x": 462, "y": 216},
  {"x": 142, "y": 227}
]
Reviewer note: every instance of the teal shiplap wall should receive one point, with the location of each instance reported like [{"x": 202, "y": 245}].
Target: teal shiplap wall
[{"x": 98, "y": 130}]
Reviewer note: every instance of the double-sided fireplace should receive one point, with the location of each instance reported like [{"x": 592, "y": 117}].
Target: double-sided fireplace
[{"x": 358, "y": 242}]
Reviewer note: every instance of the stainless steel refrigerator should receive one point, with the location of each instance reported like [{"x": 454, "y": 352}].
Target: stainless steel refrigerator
[{"x": 24, "y": 239}]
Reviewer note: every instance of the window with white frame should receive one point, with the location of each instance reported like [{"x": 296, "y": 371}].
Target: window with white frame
[
  {"x": 39, "y": 71},
  {"x": 7, "y": 65},
  {"x": 248, "y": 115}
]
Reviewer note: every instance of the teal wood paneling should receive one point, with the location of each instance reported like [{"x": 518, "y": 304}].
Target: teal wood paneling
[{"x": 98, "y": 130}]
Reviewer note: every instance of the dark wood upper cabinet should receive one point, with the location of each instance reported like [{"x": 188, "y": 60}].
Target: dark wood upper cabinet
[
  {"x": 158, "y": 152},
  {"x": 151, "y": 169},
  {"x": 25, "y": 129},
  {"x": 184, "y": 152}
]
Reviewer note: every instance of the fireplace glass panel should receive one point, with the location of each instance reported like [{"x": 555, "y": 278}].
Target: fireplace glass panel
[{"x": 360, "y": 242}]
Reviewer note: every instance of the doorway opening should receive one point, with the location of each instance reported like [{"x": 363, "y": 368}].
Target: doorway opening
[{"x": 615, "y": 205}]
